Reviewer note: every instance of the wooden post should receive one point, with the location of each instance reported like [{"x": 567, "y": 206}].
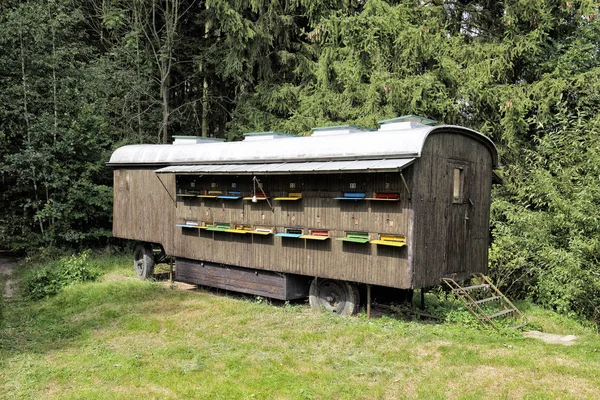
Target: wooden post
[
  {"x": 171, "y": 270},
  {"x": 368, "y": 301}
]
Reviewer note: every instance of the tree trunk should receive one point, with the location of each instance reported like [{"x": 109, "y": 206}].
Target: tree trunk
[
  {"x": 54, "y": 85},
  {"x": 138, "y": 27},
  {"x": 24, "y": 81},
  {"x": 205, "y": 90},
  {"x": 164, "y": 90},
  {"x": 205, "y": 108},
  {"x": 27, "y": 130}
]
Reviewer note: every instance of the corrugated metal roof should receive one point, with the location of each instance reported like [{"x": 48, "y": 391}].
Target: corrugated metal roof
[
  {"x": 393, "y": 142},
  {"x": 287, "y": 168}
]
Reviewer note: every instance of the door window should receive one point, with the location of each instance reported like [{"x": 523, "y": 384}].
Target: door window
[{"x": 458, "y": 180}]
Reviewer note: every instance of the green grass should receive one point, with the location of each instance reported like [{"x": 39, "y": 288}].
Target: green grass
[{"x": 121, "y": 338}]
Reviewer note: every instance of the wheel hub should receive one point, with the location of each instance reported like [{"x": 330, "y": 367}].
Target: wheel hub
[
  {"x": 332, "y": 296},
  {"x": 335, "y": 296}
]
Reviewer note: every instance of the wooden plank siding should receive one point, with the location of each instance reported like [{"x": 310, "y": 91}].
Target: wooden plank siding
[
  {"x": 450, "y": 238},
  {"x": 366, "y": 263},
  {"x": 142, "y": 208},
  {"x": 244, "y": 280}
]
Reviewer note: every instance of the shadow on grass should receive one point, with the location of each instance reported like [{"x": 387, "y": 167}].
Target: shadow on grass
[
  {"x": 72, "y": 315},
  {"x": 401, "y": 311}
]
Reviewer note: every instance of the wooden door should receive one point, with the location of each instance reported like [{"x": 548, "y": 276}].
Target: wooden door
[{"x": 458, "y": 207}]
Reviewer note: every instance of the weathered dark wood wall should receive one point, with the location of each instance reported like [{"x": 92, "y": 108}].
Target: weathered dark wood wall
[
  {"x": 367, "y": 263},
  {"x": 245, "y": 280},
  {"x": 450, "y": 238},
  {"x": 443, "y": 238},
  {"x": 142, "y": 208}
]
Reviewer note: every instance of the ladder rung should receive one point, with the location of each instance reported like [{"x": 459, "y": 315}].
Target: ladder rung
[
  {"x": 503, "y": 312},
  {"x": 487, "y": 299},
  {"x": 473, "y": 305},
  {"x": 466, "y": 289}
]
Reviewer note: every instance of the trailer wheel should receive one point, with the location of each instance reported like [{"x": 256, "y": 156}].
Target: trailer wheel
[
  {"x": 143, "y": 260},
  {"x": 336, "y": 296}
]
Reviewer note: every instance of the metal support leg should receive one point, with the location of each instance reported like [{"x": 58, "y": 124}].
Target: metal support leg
[{"x": 368, "y": 301}]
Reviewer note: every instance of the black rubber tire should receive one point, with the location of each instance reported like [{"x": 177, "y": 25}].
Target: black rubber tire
[
  {"x": 143, "y": 260},
  {"x": 335, "y": 296}
]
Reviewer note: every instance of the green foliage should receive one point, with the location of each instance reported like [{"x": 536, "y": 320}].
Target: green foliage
[
  {"x": 545, "y": 220},
  {"x": 55, "y": 132},
  {"x": 80, "y": 80},
  {"x": 52, "y": 278},
  {"x": 450, "y": 310}
]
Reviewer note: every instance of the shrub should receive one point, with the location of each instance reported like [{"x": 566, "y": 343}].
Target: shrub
[{"x": 51, "y": 279}]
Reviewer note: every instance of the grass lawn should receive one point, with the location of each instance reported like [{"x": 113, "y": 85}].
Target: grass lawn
[{"x": 121, "y": 338}]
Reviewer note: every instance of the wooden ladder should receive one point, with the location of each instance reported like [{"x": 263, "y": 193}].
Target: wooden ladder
[{"x": 475, "y": 296}]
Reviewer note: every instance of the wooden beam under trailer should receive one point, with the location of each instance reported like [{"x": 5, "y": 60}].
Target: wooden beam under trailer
[{"x": 270, "y": 284}]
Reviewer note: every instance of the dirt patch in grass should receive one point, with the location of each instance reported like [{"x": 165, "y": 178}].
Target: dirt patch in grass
[
  {"x": 515, "y": 382},
  {"x": 178, "y": 286},
  {"x": 551, "y": 338},
  {"x": 430, "y": 355}
]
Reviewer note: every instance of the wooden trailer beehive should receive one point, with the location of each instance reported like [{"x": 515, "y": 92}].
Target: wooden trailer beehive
[{"x": 399, "y": 207}]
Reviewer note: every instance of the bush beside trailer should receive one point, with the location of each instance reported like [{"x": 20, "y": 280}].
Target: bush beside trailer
[{"x": 286, "y": 217}]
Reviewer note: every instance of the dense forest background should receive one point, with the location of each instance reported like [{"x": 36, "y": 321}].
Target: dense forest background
[{"x": 79, "y": 78}]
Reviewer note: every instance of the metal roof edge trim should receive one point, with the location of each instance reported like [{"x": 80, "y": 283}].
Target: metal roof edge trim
[
  {"x": 169, "y": 170},
  {"x": 407, "y": 118},
  {"x": 197, "y": 137},
  {"x": 341, "y": 127},
  {"x": 264, "y": 173},
  {"x": 265, "y": 161},
  {"x": 275, "y": 133}
]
